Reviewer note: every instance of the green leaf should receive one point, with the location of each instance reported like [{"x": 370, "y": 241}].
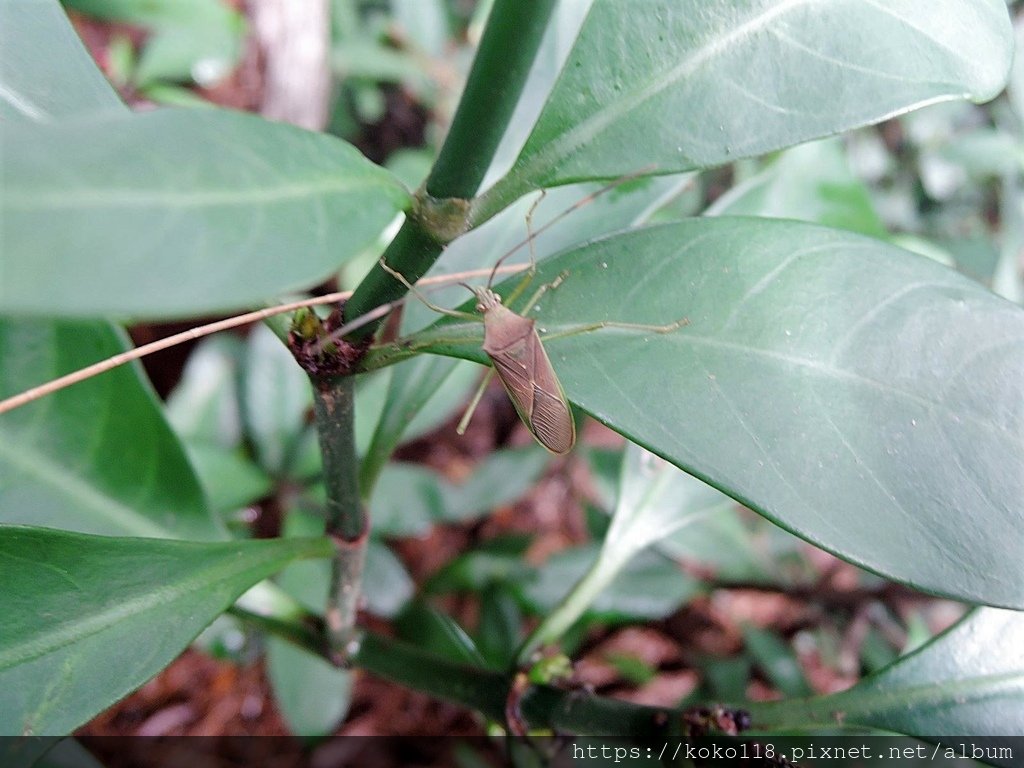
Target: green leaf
[
  {"x": 424, "y": 22},
  {"x": 97, "y": 457},
  {"x": 179, "y": 212},
  {"x": 986, "y": 152},
  {"x": 428, "y": 628},
  {"x": 724, "y": 542},
  {"x": 778, "y": 661},
  {"x": 648, "y": 509},
  {"x": 693, "y": 84},
  {"x": 204, "y": 407},
  {"x": 312, "y": 695},
  {"x": 448, "y": 401},
  {"x": 410, "y": 499},
  {"x": 649, "y": 587},
  {"x": 413, "y": 385},
  {"x": 970, "y": 679},
  {"x": 499, "y": 561},
  {"x": 725, "y": 679},
  {"x": 499, "y": 629},
  {"x": 862, "y": 397},
  {"x": 812, "y": 182},
  {"x": 45, "y": 71},
  {"x": 87, "y": 619},
  {"x": 387, "y": 586},
  {"x": 230, "y": 480},
  {"x": 276, "y": 398}
]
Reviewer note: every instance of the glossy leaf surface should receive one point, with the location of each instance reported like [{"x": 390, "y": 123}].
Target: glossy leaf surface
[
  {"x": 864, "y": 398},
  {"x": 693, "y": 84},
  {"x": 97, "y": 457},
  {"x": 969, "y": 679},
  {"x": 45, "y": 71},
  {"x": 179, "y": 212},
  {"x": 87, "y": 619}
]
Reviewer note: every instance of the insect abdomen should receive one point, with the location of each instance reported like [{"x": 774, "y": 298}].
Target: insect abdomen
[{"x": 522, "y": 364}]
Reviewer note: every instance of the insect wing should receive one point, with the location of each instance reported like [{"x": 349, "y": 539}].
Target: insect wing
[
  {"x": 551, "y": 422},
  {"x": 522, "y": 364}
]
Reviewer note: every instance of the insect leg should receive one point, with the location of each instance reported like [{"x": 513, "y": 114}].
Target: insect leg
[
  {"x": 541, "y": 291},
  {"x": 589, "y": 327},
  {"x": 419, "y": 295},
  {"x": 529, "y": 242},
  {"x": 471, "y": 408}
]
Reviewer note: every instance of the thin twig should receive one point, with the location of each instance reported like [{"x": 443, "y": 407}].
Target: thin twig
[{"x": 29, "y": 395}]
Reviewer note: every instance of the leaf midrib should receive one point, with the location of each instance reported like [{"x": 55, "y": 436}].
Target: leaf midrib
[
  {"x": 868, "y": 703},
  {"x": 77, "y": 628},
  {"x": 52, "y": 474},
  {"x": 588, "y": 129},
  {"x": 98, "y": 198},
  {"x": 810, "y": 365}
]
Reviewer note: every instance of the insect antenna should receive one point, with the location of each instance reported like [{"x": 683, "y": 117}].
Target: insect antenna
[{"x": 581, "y": 203}]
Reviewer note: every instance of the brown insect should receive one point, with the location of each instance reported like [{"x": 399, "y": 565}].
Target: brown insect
[
  {"x": 522, "y": 365},
  {"x": 515, "y": 349}
]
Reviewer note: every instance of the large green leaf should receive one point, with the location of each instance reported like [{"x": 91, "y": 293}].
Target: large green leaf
[
  {"x": 864, "y": 398},
  {"x": 692, "y": 83},
  {"x": 45, "y": 72},
  {"x": 969, "y": 680},
  {"x": 178, "y": 212},
  {"x": 87, "y": 619},
  {"x": 97, "y": 457}
]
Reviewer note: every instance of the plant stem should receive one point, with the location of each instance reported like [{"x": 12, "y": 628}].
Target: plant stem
[
  {"x": 346, "y": 524},
  {"x": 507, "y": 50},
  {"x": 570, "y": 608},
  {"x": 482, "y": 690},
  {"x": 571, "y": 711}
]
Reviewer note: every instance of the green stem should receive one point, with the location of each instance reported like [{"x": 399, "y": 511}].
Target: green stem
[
  {"x": 502, "y": 194},
  {"x": 482, "y": 690},
  {"x": 334, "y": 409},
  {"x": 572, "y": 711},
  {"x": 569, "y": 610},
  {"x": 460, "y": 340},
  {"x": 507, "y": 50},
  {"x": 346, "y": 520}
]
